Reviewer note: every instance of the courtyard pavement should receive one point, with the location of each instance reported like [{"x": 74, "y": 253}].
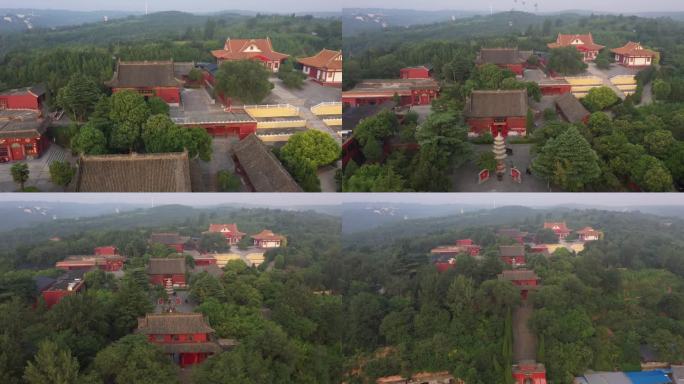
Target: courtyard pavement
[
  {"x": 181, "y": 296},
  {"x": 464, "y": 179},
  {"x": 221, "y": 159},
  {"x": 39, "y": 171}
]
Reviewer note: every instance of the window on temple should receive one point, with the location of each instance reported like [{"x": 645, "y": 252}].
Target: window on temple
[
  {"x": 29, "y": 148},
  {"x": 4, "y": 152},
  {"x": 175, "y": 338}
]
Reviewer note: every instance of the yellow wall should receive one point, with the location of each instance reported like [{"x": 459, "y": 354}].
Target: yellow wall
[
  {"x": 281, "y": 124},
  {"x": 279, "y": 110},
  {"x": 577, "y": 247},
  {"x": 223, "y": 258},
  {"x": 332, "y": 122},
  {"x": 333, "y": 108},
  {"x": 274, "y": 138}
]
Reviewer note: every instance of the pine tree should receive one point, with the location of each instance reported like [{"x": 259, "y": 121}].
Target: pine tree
[
  {"x": 52, "y": 366},
  {"x": 568, "y": 161}
]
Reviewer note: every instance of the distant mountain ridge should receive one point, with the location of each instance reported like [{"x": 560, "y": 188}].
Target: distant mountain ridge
[{"x": 24, "y": 19}]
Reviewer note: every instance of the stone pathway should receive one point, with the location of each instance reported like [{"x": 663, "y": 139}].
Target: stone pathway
[
  {"x": 593, "y": 70},
  {"x": 524, "y": 341}
]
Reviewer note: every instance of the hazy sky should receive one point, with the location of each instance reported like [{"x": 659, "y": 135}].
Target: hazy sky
[
  {"x": 500, "y": 199},
  {"x": 184, "y": 5},
  {"x": 543, "y": 5}
]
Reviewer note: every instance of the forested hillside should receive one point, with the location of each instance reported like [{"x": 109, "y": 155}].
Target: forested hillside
[
  {"x": 594, "y": 310},
  {"x": 282, "y": 326}
]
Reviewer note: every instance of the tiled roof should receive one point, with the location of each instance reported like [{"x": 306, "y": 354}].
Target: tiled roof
[
  {"x": 586, "y": 42},
  {"x": 154, "y": 172},
  {"x": 324, "y": 59},
  {"x": 571, "y": 108},
  {"x": 173, "y": 323},
  {"x": 136, "y": 74},
  {"x": 164, "y": 266},
  {"x": 244, "y": 49},
  {"x": 262, "y": 168},
  {"x": 511, "y": 250},
  {"x": 498, "y": 103},
  {"x": 634, "y": 49}
]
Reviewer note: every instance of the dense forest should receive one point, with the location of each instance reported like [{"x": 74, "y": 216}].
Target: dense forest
[
  {"x": 633, "y": 144},
  {"x": 594, "y": 310}
]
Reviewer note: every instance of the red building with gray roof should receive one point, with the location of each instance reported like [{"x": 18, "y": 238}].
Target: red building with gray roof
[
  {"x": 148, "y": 78},
  {"x": 497, "y": 112},
  {"x": 409, "y": 91},
  {"x": 584, "y": 43}
]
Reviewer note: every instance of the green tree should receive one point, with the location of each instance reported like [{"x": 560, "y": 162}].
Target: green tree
[
  {"x": 130, "y": 112},
  {"x": 659, "y": 143},
  {"x": 486, "y": 161},
  {"x": 599, "y": 124},
  {"x": 661, "y": 89},
  {"x": 214, "y": 242},
  {"x": 20, "y": 174},
  {"x": 600, "y": 98},
  {"x": 157, "y": 106},
  {"x": 61, "y": 173},
  {"x": 79, "y": 96},
  {"x": 568, "y": 161},
  {"x": 567, "y": 61},
  {"x": 316, "y": 146},
  {"x": 651, "y": 175},
  {"x": 372, "y": 150},
  {"x": 195, "y": 75},
  {"x": 246, "y": 80},
  {"x": 52, "y": 366},
  {"x": 90, "y": 141},
  {"x": 291, "y": 78},
  {"x": 228, "y": 182},
  {"x": 132, "y": 359}
]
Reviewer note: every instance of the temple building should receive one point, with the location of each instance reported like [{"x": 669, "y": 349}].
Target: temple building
[
  {"x": 583, "y": 43},
  {"x": 225, "y": 122},
  {"x": 634, "y": 55},
  {"x": 29, "y": 98},
  {"x": 505, "y": 58},
  {"x": 523, "y": 279},
  {"x": 185, "y": 337},
  {"x": 559, "y": 228},
  {"x": 170, "y": 239},
  {"x": 529, "y": 372},
  {"x": 497, "y": 112},
  {"x": 571, "y": 109},
  {"x": 419, "y": 91},
  {"x": 324, "y": 68},
  {"x": 512, "y": 254},
  {"x": 513, "y": 233},
  {"x": 68, "y": 284},
  {"x": 229, "y": 231},
  {"x": 148, "y": 78},
  {"x": 250, "y": 49},
  {"x": 259, "y": 169},
  {"x": 22, "y": 134},
  {"x": 167, "y": 272},
  {"x": 463, "y": 246},
  {"x": 417, "y": 72},
  {"x": 268, "y": 239},
  {"x": 589, "y": 234},
  {"x": 109, "y": 263},
  {"x": 134, "y": 172}
]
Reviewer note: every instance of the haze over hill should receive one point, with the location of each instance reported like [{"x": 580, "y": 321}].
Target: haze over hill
[{"x": 359, "y": 20}]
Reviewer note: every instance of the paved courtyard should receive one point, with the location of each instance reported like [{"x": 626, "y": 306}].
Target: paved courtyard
[
  {"x": 221, "y": 159},
  {"x": 524, "y": 341},
  {"x": 39, "y": 171},
  {"x": 311, "y": 93},
  {"x": 465, "y": 177}
]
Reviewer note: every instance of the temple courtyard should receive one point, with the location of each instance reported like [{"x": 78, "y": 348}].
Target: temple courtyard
[
  {"x": 39, "y": 171},
  {"x": 465, "y": 178}
]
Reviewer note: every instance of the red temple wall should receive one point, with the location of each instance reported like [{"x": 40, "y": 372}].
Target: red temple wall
[
  {"x": 19, "y": 101},
  {"x": 53, "y": 297},
  {"x": 560, "y": 89},
  {"x": 182, "y": 338},
  {"x": 414, "y": 73},
  {"x": 205, "y": 261},
  {"x": 170, "y": 95},
  {"x": 515, "y": 68},
  {"x": 486, "y": 124},
  {"x": 510, "y": 260},
  {"x": 241, "y": 130},
  {"x": 39, "y": 145},
  {"x": 161, "y": 279},
  {"x": 188, "y": 359},
  {"x": 537, "y": 377},
  {"x": 530, "y": 282}
]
